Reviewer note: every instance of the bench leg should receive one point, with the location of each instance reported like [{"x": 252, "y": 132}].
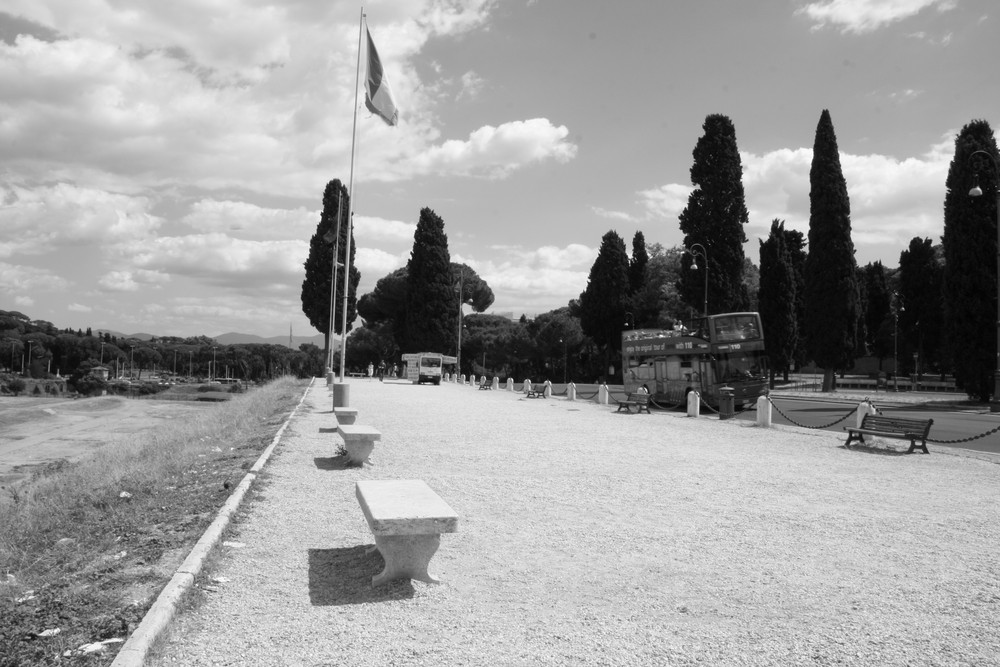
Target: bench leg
[
  {"x": 914, "y": 445},
  {"x": 358, "y": 451},
  {"x": 406, "y": 557}
]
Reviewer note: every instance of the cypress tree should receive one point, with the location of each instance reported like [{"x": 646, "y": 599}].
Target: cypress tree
[
  {"x": 602, "y": 304},
  {"x": 876, "y": 308},
  {"x": 831, "y": 292},
  {"x": 777, "y": 300},
  {"x": 637, "y": 265},
  {"x": 431, "y": 298},
  {"x": 920, "y": 278},
  {"x": 318, "y": 265},
  {"x": 970, "y": 261},
  {"x": 714, "y": 217}
]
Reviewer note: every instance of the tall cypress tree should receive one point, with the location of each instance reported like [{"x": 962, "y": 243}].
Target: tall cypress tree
[
  {"x": 431, "y": 299},
  {"x": 920, "y": 324},
  {"x": 970, "y": 260},
  {"x": 714, "y": 217},
  {"x": 876, "y": 307},
  {"x": 777, "y": 300},
  {"x": 602, "y": 304},
  {"x": 319, "y": 266},
  {"x": 637, "y": 265},
  {"x": 831, "y": 292}
]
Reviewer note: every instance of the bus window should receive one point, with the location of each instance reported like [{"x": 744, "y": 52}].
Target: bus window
[
  {"x": 674, "y": 368},
  {"x": 734, "y": 367}
]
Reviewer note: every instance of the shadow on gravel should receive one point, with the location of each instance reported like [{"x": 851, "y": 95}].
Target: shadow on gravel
[
  {"x": 344, "y": 576},
  {"x": 328, "y": 430},
  {"x": 868, "y": 449},
  {"x": 341, "y": 462}
]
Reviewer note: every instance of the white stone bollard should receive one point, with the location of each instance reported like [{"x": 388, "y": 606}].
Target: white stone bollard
[
  {"x": 527, "y": 386},
  {"x": 693, "y": 404},
  {"x": 571, "y": 391},
  {"x": 763, "y": 411},
  {"x": 496, "y": 382},
  {"x": 547, "y": 391},
  {"x": 510, "y": 384},
  {"x": 602, "y": 395},
  {"x": 472, "y": 380}
]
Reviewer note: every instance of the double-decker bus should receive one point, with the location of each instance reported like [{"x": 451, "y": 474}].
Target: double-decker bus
[{"x": 704, "y": 355}]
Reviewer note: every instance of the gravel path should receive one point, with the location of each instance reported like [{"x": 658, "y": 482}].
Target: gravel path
[{"x": 588, "y": 537}]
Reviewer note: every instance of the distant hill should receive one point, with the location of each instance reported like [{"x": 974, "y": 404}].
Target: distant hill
[{"x": 233, "y": 338}]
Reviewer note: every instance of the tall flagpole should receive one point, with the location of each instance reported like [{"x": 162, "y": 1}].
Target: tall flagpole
[
  {"x": 350, "y": 205},
  {"x": 335, "y": 264}
]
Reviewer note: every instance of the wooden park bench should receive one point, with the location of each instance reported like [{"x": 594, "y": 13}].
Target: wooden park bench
[
  {"x": 536, "y": 391},
  {"x": 901, "y": 428},
  {"x": 639, "y": 401},
  {"x": 407, "y": 519}
]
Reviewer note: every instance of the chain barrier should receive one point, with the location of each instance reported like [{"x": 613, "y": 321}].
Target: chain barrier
[
  {"x": 665, "y": 407},
  {"x": 969, "y": 439},
  {"x": 833, "y": 423}
]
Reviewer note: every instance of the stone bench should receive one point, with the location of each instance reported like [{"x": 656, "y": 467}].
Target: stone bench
[
  {"x": 407, "y": 519},
  {"x": 346, "y": 415},
  {"x": 359, "y": 441}
]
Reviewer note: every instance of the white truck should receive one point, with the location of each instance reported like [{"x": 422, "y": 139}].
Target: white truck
[{"x": 423, "y": 367}]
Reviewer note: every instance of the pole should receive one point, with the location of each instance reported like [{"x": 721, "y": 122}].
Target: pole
[
  {"x": 350, "y": 203},
  {"x": 333, "y": 286},
  {"x": 458, "y": 353}
]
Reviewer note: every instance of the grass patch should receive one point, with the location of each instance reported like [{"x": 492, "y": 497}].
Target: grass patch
[{"x": 86, "y": 548}]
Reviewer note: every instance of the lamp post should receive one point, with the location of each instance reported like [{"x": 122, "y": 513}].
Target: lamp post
[
  {"x": 334, "y": 270},
  {"x": 211, "y": 376},
  {"x": 698, "y": 250},
  {"x": 460, "y": 290},
  {"x": 982, "y": 158},
  {"x": 629, "y": 317},
  {"x": 30, "y": 342},
  {"x": 102, "y": 352},
  {"x": 896, "y": 306},
  {"x": 131, "y": 362}
]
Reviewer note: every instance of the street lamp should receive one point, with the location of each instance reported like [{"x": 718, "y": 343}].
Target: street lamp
[
  {"x": 211, "y": 375},
  {"x": 629, "y": 317},
  {"x": 460, "y": 289},
  {"x": 334, "y": 269},
  {"x": 982, "y": 158},
  {"x": 565, "y": 358},
  {"x": 131, "y": 362},
  {"x": 30, "y": 342},
  {"x": 896, "y": 306},
  {"x": 703, "y": 254}
]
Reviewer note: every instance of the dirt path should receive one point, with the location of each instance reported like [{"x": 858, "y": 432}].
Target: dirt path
[{"x": 38, "y": 431}]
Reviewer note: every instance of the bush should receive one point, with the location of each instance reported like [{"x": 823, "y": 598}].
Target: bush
[{"x": 16, "y": 385}]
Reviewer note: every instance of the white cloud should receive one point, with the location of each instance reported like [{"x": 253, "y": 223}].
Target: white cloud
[
  {"x": 15, "y": 280},
  {"x": 495, "y": 152},
  {"x": 665, "y": 202},
  {"x": 248, "y": 221},
  {"x": 79, "y": 308},
  {"x": 372, "y": 229},
  {"x": 860, "y": 16}
]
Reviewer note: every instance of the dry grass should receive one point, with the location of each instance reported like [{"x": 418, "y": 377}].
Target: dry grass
[{"x": 85, "y": 548}]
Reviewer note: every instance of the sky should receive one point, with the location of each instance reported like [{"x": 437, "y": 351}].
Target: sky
[{"x": 162, "y": 164}]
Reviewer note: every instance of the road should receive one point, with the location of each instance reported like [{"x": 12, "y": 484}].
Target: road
[{"x": 950, "y": 422}]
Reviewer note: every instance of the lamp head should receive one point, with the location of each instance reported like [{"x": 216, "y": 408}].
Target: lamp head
[
  {"x": 694, "y": 266},
  {"x": 976, "y": 191}
]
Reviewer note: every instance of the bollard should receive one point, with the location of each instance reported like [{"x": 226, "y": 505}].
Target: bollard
[
  {"x": 329, "y": 377},
  {"x": 547, "y": 391},
  {"x": 602, "y": 395},
  {"x": 341, "y": 395},
  {"x": 571, "y": 391},
  {"x": 510, "y": 384},
  {"x": 526, "y": 387},
  {"x": 496, "y": 382},
  {"x": 763, "y": 411},
  {"x": 693, "y": 404}
]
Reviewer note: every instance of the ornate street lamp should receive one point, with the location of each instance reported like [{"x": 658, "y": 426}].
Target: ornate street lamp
[
  {"x": 703, "y": 254},
  {"x": 980, "y": 160}
]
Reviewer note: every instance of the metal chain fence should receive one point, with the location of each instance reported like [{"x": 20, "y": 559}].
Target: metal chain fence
[{"x": 833, "y": 423}]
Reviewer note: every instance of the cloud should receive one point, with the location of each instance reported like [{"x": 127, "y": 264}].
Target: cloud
[
  {"x": 496, "y": 152},
  {"x": 861, "y": 16},
  {"x": 379, "y": 229},
  {"x": 249, "y": 221},
  {"x": 16, "y": 280},
  {"x": 79, "y": 308},
  {"x": 665, "y": 202}
]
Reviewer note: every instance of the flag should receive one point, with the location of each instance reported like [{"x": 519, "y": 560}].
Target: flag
[{"x": 378, "y": 95}]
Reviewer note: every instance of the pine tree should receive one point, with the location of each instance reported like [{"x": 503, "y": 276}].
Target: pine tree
[
  {"x": 602, "y": 304},
  {"x": 777, "y": 300},
  {"x": 319, "y": 264},
  {"x": 714, "y": 217},
  {"x": 431, "y": 299},
  {"x": 831, "y": 292},
  {"x": 970, "y": 260}
]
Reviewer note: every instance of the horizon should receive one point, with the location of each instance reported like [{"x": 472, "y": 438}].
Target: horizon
[{"x": 165, "y": 173}]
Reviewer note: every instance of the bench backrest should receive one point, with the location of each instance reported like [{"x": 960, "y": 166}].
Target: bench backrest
[{"x": 897, "y": 424}]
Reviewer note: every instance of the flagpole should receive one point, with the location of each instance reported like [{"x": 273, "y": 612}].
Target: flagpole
[
  {"x": 333, "y": 282},
  {"x": 350, "y": 205}
]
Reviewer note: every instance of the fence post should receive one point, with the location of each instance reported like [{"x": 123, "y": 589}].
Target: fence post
[
  {"x": 763, "y": 411},
  {"x": 693, "y": 404}
]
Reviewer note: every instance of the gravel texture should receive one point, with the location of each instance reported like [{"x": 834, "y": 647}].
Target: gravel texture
[{"x": 588, "y": 537}]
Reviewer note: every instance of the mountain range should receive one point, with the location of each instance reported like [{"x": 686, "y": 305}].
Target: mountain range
[{"x": 233, "y": 338}]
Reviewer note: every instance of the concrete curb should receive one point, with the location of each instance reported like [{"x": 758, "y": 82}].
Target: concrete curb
[{"x": 133, "y": 653}]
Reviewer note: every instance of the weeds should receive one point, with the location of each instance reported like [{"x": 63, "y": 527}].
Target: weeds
[{"x": 85, "y": 548}]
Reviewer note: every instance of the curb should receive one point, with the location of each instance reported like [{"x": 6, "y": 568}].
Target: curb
[{"x": 133, "y": 653}]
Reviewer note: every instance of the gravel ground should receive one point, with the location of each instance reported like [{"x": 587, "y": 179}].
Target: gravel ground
[{"x": 588, "y": 537}]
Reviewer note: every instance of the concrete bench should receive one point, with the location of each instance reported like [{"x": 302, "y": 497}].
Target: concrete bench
[
  {"x": 345, "y": 415},
  {"x": 407, "y": 519},
  {"x": 359, "y": 441}
]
